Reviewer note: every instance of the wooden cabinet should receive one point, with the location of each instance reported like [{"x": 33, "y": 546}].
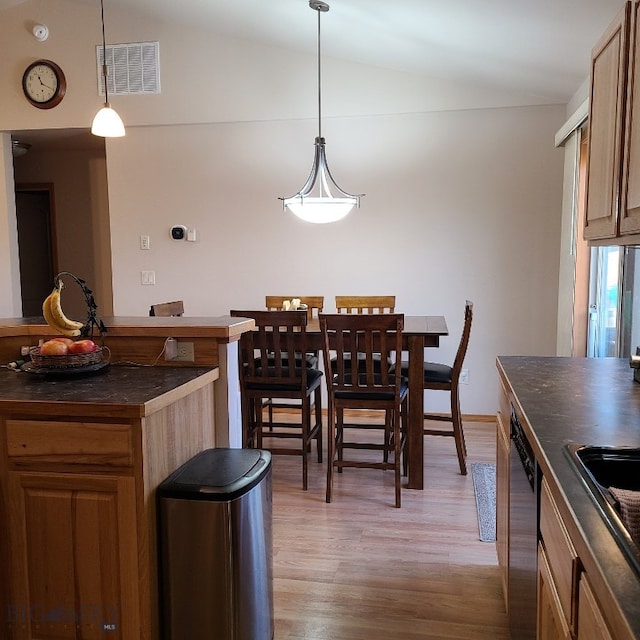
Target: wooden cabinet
[
  {"x": 630, "y": 211},
  {"x": 502, "y": 494},
  {"x": 73, "y": 533},
  {"x": 567, "y": 606},
  {"x": 561, "y": 562},
  {"x": 74, "y": 562},
  {"x": 591, "y": 623},
  {"x": 78, "y": 538},
  {"x": 609, "y": 66},
  {"x": 612, "y": 200},
  {"x": 551, "y": 622}
]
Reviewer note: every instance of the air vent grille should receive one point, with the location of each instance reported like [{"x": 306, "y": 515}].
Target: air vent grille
[{"x": 132, "y": 68}]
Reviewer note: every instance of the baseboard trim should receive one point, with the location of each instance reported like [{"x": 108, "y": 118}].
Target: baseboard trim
[
  {"x": 466, "y": 417},
  {"x": 472, "y": 417}
]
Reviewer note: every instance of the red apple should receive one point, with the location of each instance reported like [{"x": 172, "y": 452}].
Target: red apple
[
  {"x": 54, "y": 348},
  {"x": 67, "y": 341},
  {"x": 83, "y": 346}
]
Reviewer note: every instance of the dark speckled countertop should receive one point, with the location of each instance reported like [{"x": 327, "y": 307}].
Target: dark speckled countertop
[
  {"x": 592, "y": 401},
  {"x": 117, "y": 390}
]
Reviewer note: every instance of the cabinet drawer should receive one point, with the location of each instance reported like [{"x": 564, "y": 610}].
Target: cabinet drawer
[
  {"x": 69, "y": 443},
  {"x": 563, "y": 559}
]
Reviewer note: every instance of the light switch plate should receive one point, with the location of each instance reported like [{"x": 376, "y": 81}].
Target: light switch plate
[{"x": 148, "y": 277}]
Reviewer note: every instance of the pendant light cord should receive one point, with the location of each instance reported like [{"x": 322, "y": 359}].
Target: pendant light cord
[
  {"x": 104, "y": 55},
  {"x": 319, "y": 82}
]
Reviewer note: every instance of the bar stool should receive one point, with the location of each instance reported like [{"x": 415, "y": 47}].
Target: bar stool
[
  {"x": 315, "y": 305},
  {"x": 442, "y": 377},
  {"x": 373, "y": 388},
  {"x": 269, "y": 361}
]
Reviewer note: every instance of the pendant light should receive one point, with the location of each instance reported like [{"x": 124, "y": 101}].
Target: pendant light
[
  {"x": 107, "y": 123},
  {"x": 330, "y": 203}
]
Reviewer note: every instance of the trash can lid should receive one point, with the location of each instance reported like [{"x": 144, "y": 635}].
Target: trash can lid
[{"x": 217, "y": 475}]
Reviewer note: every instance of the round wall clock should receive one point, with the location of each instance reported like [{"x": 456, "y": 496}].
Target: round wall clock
[{"x": 44, "y": 84}]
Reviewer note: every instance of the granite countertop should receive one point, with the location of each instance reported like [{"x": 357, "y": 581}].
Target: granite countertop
[
  {"x": 587, "y": 401},
  {"x": 117, "y": 390}
]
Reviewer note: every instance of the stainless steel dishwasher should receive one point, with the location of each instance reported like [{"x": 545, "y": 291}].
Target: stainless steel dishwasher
[
  {"x": 216, "y": 550},
  {"x": 523, "y": 535}
]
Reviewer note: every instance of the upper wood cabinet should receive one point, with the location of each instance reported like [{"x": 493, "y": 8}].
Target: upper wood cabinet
[
  {"x": 607, "y": 109},
  {"x": 630, "y": 212}
]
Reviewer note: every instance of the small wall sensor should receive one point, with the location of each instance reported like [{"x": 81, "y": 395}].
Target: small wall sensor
[
  {"x": 40, "y": 32},
  {"x": 178, "y": 232}
]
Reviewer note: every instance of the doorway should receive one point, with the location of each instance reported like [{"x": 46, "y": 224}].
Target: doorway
[{"x": 35, "y": 214}]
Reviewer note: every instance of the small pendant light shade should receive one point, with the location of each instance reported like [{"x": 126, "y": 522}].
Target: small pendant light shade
[
  {"x": 107, "y": 123},
  {"x": 320, "y": 200}
]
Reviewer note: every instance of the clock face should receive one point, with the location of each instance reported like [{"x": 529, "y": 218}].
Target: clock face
[{"x": 44, "y": 84}]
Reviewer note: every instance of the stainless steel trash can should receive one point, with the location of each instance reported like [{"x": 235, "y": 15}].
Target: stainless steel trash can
[{"x": 216, "y": 550}]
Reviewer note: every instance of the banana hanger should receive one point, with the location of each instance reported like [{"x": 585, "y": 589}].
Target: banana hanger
[{"x": 93, "y": 323}]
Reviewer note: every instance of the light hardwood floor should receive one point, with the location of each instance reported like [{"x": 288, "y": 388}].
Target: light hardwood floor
[{"x": 360, "y": 569}]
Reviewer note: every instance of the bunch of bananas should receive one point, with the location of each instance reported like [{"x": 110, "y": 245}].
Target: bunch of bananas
[{"x": 53, "y": 314}]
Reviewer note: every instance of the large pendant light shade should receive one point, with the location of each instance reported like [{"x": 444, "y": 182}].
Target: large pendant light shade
[
  {"x": 106, "y": 123},
  {"x": 320, "y": 200}
]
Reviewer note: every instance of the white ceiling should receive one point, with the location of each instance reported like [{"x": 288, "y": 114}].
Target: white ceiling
[{"x": 539, "y": 46}]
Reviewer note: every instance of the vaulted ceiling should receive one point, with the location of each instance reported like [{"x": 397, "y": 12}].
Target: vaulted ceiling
[{"x": 541, "y": 46}]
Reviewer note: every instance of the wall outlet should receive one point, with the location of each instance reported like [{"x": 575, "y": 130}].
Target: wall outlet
[
  {"x": 464, "y": 376},
  {"x": 185, "y": 352}
]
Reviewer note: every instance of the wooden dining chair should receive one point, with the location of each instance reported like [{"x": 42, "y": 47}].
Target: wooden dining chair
[
  {"x": 443, "y": 377},
  {"x": 315, "y": 305},
  {"x": 265, "y": 357},
  {"x": 167, "y": 309},
  {"x": 365, "y": 304},
  {"x": 371, "y": 388}
]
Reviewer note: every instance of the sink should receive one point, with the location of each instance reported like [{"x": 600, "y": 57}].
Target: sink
[{"x": 600, "y": 468}]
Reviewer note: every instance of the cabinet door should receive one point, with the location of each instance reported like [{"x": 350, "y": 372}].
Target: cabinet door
[
  {"x": 551, "y": 622},
  {"x": 73, "y": 557},
  {"x": 591, "y": 624},
  {"x": 502, "y": 500},
  {"x": 606, "y": 129},
  {"x": 564, "y": 564},
  {"x": 630, "y": 215}
]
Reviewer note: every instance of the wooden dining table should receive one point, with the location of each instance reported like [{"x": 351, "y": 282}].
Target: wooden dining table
[{"x": 419, "y": 332}]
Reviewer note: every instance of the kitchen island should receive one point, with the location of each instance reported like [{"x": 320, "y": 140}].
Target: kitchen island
[
  {"x": 80, "y": 459},
  {"x": 561, "y": 401},
  {"x": 142, "y": 340}
]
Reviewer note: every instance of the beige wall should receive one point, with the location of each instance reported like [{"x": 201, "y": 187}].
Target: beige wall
[{"x": 464, "y": 186}]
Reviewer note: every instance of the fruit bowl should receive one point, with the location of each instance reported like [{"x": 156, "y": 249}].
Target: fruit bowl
[{"x": 66, "y": 361}]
